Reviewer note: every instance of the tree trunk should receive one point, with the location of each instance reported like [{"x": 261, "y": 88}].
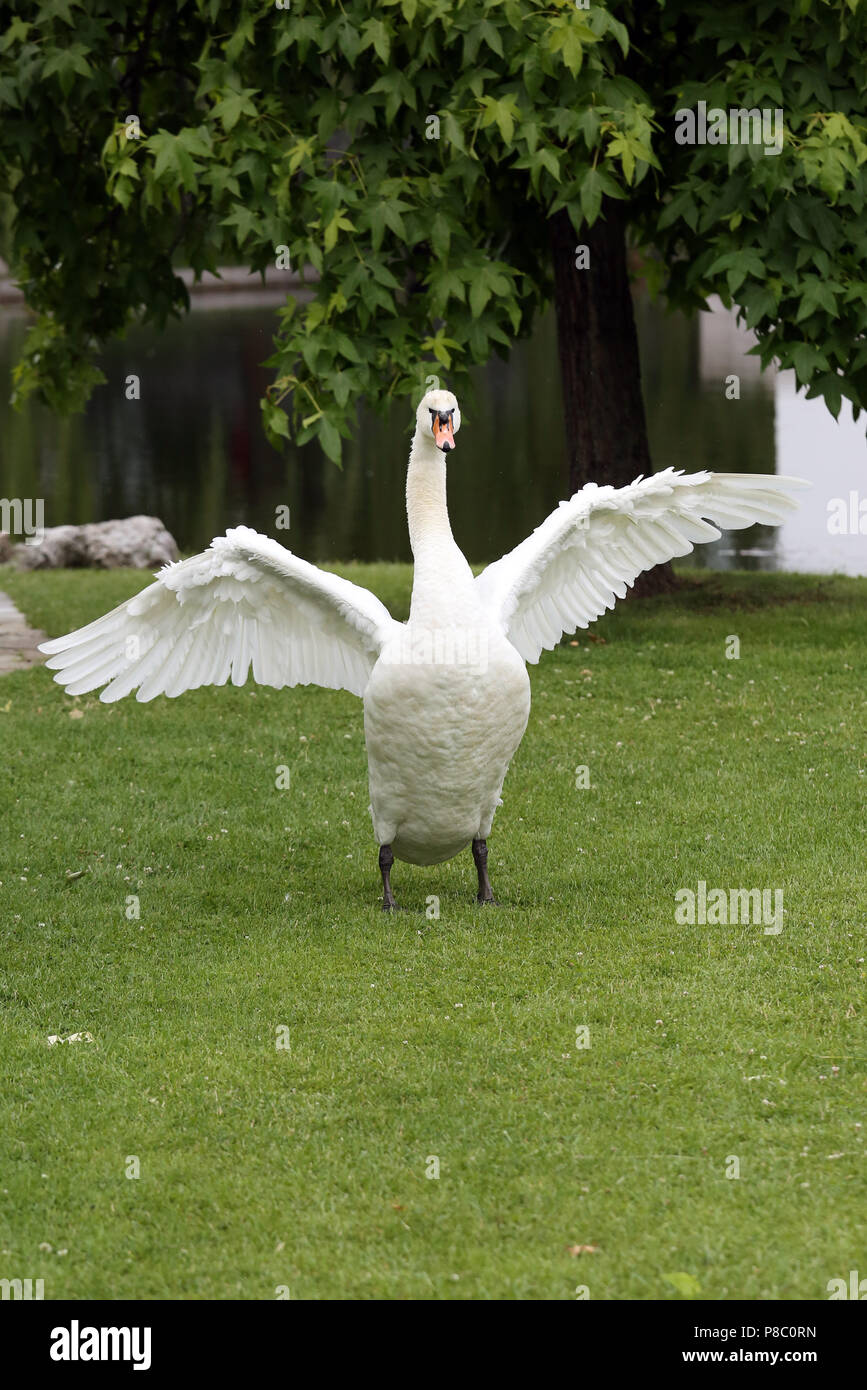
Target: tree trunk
[{"x": 606, "y": 429}]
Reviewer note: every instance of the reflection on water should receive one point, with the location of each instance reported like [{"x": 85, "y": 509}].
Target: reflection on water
[{"x": 191, "y": 449}]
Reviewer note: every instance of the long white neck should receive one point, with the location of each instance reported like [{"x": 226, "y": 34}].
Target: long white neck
[{"x": 442, "y": 575}]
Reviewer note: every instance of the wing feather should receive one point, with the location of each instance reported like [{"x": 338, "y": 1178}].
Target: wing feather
[
  {"x": 588, "y": 552},
  {"x": 245, "y": 602}
]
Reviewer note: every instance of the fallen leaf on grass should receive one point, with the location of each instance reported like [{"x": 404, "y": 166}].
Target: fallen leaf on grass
[
  {"x": 686, "y": 1284},
  {"x": 581, "y": 1249}
]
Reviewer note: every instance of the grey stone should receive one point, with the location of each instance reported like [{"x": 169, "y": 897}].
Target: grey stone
[{"x": 139, "y": 542}]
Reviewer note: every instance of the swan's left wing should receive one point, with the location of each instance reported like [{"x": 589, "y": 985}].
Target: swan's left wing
[
  {"x": 585, "y": 555},
  {"x": 245, "y": 601}
]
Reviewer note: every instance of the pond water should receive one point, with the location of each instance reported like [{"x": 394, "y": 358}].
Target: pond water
[{"x": 191, "y": 450}]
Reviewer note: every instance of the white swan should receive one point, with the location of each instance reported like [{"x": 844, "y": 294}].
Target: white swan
[{"x": 446, "y": 695}]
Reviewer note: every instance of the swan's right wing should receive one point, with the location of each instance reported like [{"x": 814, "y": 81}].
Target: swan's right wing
[{"x": 246, "y": 601}]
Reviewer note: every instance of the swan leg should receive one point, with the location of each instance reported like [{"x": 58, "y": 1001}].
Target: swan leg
[
  {"x": 480, "y": 855},
  {"x": 386, "y": 859}
]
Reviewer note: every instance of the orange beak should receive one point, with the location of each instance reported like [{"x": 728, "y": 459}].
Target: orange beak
[{"x": 443, "y": 433}]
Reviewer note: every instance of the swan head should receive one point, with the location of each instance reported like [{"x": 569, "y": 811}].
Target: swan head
[{"x": 439, "y": 418}]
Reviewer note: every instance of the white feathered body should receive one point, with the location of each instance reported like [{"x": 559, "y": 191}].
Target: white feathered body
[{"x": 444, "y": 713}]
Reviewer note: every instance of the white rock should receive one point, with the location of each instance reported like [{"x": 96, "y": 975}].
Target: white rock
[{"x": 140, "y": 542}]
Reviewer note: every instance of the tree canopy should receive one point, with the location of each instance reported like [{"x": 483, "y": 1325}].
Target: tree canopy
[{"x": 410, "y": 154}]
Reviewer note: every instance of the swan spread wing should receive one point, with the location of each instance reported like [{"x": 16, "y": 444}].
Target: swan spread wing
[
  {"x": 585, "y": 554},
  {"x": 245, "y": 600}
]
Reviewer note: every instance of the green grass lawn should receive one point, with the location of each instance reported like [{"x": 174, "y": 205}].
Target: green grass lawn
[{"x": 412, "y": 1037}]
